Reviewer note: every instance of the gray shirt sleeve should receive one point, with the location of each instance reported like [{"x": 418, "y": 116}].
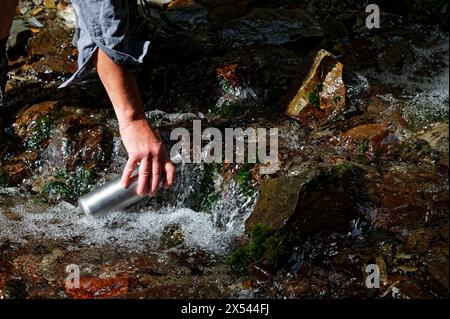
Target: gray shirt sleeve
[{"x": 104, "y": 24}]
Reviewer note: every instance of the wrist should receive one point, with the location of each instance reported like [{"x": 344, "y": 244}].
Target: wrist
[{"x": 131, "y": 117}]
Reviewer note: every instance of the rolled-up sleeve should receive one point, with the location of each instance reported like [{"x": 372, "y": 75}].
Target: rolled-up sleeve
[{"x": 104, "y": 24}]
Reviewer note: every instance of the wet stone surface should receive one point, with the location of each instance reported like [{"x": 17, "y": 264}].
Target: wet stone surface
[{"x": 373, "y": 163}]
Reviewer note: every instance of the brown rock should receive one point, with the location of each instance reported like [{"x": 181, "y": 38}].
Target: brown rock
[
  {"x": 438, "y": 269},
  {"x": 180, "y": 3},
  {"x": 53, "y": 46},
  {"x": 419, "y": 240},
  {"x": 411, "y": 290},
  {"x": 16, "y": 172},
  {"x": 25, "y": 121},
  {"x": 226, "y": 9},
  {"x": 92, "y": 287},
  {"x": 314, "y": 199},
  {"x": 51, "y": 4},
  {"x": 322, "y": 92},
  {"x": 11, "y": 215},
  {"x": 77, "y": 140},
  {"x": 368, "y": 139},
  {"x": 19, "y": 167},
  {"x": 436, "y": 136}
]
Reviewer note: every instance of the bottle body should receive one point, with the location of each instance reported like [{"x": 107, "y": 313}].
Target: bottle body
[{"x": 109, "y": 197}]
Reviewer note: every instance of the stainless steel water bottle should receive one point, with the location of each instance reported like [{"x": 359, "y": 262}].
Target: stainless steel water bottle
[{"x": 109, "y": 197}]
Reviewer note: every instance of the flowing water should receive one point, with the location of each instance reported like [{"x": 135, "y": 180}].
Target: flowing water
[{"x": 170, "y": 246}]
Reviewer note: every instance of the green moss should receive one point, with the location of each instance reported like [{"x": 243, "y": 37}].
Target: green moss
[
  {"x": 68, "y": 186},
  {"x": 362, "y": 146},
  {"x": 225, "y": 109},
  {"x": 206, "y": 196},
  {"x": 265, "y": 244},
  {"x": 3, "y": 178},
  {"x": 42, "y": 129},
  {"x": 313, "y": 96},
  {"x": 225, "y": 85},
  {"x": 41, "y": 132},
  {"x": 337, "y": 99},
  {"x": 243, "y": 179},
  {"x": 314, "y": 99},
  {"x": 209, "y": 201},
  {"x": 318, "y": 88},
  {"x": 343, "y": 168}
]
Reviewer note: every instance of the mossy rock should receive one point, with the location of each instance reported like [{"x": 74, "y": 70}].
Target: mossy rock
[{"x": 310, "y": 200}]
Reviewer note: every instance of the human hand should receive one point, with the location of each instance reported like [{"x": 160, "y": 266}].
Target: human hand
[{"x": 144, "y": 147}]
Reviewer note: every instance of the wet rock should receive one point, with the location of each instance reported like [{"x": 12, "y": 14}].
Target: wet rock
[
  {"x": 78, "y": 140},
  {"x": 310, "y": 200},
  {"x": 438, "y": 268},
  {"x": 28, "y": 266},
  {"x": 419, "y": 240},
  {"x": 51, "y": 4},
  {"x": 226, "y": 9},
  {"x": 19, "y": 35},
  {"x": 395, "y": 56},
  {"x": 252, "y": 78},
  {"x": 26, "y": 121},
  {"x": 12, "y": 288},
  {"x": 406, "y": 195},
  {"x": 335, "y": 10},
  {"x": 358, "y": 92},
  {"x": 93, "y": 287},
  {"x": 11, "y": 215},
  {"x": 322, "y": 93},
  {"x": 171, "y": 237},
  {"x": 19, "y": 167},
  {"x": 410, "y": 289},
  {"x": 190, "y": 17},
  {"x": 56, "y": 57},
  {"x": 436, "y": 136},
  {"x": 369, "y": 140},
  {"x": 263, "y": 26}
]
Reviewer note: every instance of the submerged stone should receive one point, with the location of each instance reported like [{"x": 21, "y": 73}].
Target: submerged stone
[
  {"x": 263, "y": 26},
  {"x": 370, "y": 140},
  {"x": 436, "y": 136}
]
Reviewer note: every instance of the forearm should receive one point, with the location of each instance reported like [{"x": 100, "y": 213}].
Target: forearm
[
  {"x": 141, "y": 142},
  {"x": 120, "y": 84}
]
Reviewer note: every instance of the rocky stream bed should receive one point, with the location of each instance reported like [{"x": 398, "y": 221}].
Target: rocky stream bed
[{"x": 363, "y": 149}]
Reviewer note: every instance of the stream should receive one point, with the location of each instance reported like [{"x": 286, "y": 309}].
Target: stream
[{"x": 58, "y": 144}]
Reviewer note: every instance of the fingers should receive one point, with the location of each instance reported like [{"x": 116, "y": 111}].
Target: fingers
[
  {"x": 128, "y": 170},
  {"x": 169, "y": 171},
  {"x": 156, "y": 176},
  {"x": 143, "y": 177}
]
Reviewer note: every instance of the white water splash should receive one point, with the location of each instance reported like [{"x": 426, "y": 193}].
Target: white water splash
[{"x": 135, "y": 229}]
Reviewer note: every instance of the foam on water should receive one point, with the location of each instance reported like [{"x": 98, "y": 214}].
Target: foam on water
[
  {"x": 424, "y": 83},
  {"x": 131, "y": 230},
  {"x": 137, "y": 228}
]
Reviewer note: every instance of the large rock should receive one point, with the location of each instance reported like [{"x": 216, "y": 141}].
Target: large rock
[
  {"x": 226, "y": 9},
  {"x": 322, "y": 93},
  {"x": 370, "y": 140},
  {"x": 78, "y": 140},
  {"x": 54, "y": 53},
  {"x": 437, "y": 136},
  {"x": 309, "y": 200},
  {"x": 26, "y": 121},
  {"x": 19, "y": 167},
  {"x": 263, "y": 26},
  {"x": 190, "y": 17}
]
